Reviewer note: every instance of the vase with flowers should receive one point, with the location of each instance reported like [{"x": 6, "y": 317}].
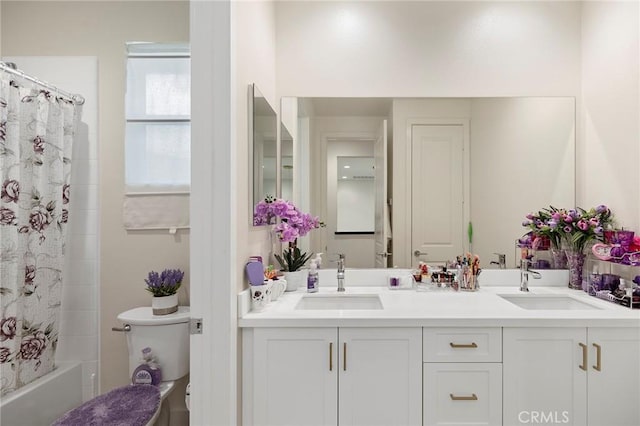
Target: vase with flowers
[
  {"x": 544, "y": 227},
  {"x": 293, "y": 224},
  {"x": 164, "y": 287},
  {"x": 579, "y": 227},
  {"x": 571, "y": 229}
]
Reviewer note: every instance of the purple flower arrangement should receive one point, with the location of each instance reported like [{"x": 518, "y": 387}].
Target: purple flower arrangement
[
  {"x": 293, "y": 224},
  {"x": 166, "y": 283},
  {"x": 574, "y": 226}
]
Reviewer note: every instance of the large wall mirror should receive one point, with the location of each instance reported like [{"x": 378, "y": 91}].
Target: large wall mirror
[
  {"x": 451, "y": 161},
  {"x": 262, "y": 148}
]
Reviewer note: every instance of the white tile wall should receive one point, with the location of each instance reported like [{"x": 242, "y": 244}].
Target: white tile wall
[{"x": 79, "y": 340}]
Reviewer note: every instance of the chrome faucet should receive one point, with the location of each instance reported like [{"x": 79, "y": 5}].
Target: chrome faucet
[
  {"x": 524, "y": 274},
  {"x": 340, "y": 272},
  {"x": 502, "y": 261}
]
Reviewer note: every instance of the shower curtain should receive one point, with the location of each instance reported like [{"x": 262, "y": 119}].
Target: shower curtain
[{"x": 36, "y": 134}]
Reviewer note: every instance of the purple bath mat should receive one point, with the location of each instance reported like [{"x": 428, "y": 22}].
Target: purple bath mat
[{"x": 131, "y": 405}]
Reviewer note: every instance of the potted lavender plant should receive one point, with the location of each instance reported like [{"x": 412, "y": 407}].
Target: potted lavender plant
[{"x": 164, "y": 287}]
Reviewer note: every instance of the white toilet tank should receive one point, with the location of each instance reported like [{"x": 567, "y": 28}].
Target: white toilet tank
[{"x": 166, "y": 335}]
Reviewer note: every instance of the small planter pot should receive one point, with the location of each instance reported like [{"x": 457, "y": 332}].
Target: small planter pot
[
  {"x": 296, "y": 279},
  {"x": 164, "y": 305}
]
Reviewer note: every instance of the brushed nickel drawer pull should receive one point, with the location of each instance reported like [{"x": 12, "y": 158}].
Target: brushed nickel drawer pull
[
  {"x": 598, "y": 366},
  {"x": 344, "y": 356},
  {"x": 471, "y": 345},
  {"x": 330, "y": 356},
  {"x": 583, "y": 366},
  {"x": 473, "y": 397}
]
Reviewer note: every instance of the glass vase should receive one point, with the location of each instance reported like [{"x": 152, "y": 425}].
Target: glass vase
[
  {"x": 558, "y": 258},
  {"x": 575, "y": 263}
]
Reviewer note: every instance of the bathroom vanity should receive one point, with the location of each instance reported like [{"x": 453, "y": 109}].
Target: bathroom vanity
[{"x": 494, "y": 357}]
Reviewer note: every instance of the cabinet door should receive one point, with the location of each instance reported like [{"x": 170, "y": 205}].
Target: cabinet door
[
  {"x": 295, "y": 376},
  {"x": 462, "y": 394},
  {"x": 614, "y": 379},
  {"x": 544, "y": 376},
  {"x": 380, "y": 379}
]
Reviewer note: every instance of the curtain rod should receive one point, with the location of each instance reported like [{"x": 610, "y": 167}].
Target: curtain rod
[{"x": 11, "y": 68}]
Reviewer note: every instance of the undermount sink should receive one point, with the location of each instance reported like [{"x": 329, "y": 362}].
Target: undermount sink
[
  {"x": 339, "y": 301},
  {"x": 547, "y": 302}
]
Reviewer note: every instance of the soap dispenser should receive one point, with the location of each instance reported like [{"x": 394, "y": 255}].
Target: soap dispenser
[{"x": 318, "y": 260}]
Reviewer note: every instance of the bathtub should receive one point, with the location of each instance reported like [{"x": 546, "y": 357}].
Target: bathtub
[{"x": 45, "y": 399}]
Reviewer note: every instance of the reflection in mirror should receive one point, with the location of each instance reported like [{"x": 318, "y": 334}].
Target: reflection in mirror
[
  {"x": 262, "y": 149},
  {"x": 286, "y": 148},
  {"x": 517, "y": 156},
  {"x": 355, "y": 195}
]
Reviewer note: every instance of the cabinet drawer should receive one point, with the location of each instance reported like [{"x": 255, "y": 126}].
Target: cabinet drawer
[
  {"x": 452, "y": 344},
  {"x": 462, "y": 394}
]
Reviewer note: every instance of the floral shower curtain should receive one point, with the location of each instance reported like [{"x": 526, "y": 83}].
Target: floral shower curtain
[{"x": 36, "y": 134}]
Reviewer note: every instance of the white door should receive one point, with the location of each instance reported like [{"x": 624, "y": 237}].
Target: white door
[
  {"x": 295, "y": 376},
  {"x": 614, "y": 372},
  {"x": 380, "y": 376},
  {"x": 381, "y": 209},
  {"x": 544, "y": 376},
  {"x": 437, "y": 193}
]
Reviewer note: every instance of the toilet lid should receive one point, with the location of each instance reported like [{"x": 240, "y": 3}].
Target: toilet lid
[
  {"x": 132, "y": 405},
  {"x": 144, "y": 316}
]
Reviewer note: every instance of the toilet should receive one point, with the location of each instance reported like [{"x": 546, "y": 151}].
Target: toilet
[{"x": 168, "y": 338}]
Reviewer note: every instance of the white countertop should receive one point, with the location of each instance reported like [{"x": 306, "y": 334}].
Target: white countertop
[{"x": 411, "y": 308}]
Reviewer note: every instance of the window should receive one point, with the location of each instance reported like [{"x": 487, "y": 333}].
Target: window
[
  {"x": 158, "y": 110},
  {"x": 158, "y": 134}
]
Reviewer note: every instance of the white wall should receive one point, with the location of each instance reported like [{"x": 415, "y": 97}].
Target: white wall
[
  {"x": 610, "y": 114},
  {"x": 79, "y": 309},
  {"x": 255, "y": 51},
  {"x": 405, "y": 49}
]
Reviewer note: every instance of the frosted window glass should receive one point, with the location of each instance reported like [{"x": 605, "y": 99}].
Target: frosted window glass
[
  {"x": 167, "y": 94},
  {"x": 158, "y": 88},
  {"x": 158, "y": 155},
  {"x": 158, "y": 108}
]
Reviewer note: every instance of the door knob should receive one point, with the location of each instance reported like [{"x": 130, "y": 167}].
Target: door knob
[{"x": 419, "y": 253}]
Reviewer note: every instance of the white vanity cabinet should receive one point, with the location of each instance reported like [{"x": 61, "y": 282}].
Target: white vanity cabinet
[
  {"x": 613, "y": 381},
  {"x": 462, "y": 376},
  {"x": 330, "y": 376},
  {"x": 572, "y": 376},
  {"x": 289, "y": 376}
]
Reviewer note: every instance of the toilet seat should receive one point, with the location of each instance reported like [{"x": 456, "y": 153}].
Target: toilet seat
[{"x": 133, "y": 405}]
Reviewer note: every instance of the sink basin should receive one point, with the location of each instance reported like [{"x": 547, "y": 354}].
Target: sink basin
[
  {"x": 546, "y": 302},
  {"x": 339, "y": 301}
]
